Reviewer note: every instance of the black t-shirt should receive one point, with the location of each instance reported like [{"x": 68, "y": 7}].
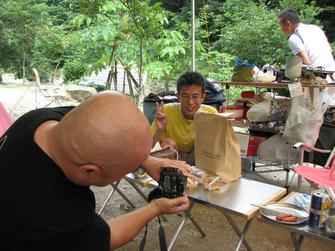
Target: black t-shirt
[{"x": 40, "y": 208}]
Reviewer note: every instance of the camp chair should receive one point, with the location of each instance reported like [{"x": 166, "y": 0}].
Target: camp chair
[
  {"x": 54, "y": 94},
  {"x": 5, "y": 119},
  {"x": 319, "y": 175}
]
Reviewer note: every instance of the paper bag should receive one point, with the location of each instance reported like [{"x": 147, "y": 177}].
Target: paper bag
[{"x": 217, "y": 149}]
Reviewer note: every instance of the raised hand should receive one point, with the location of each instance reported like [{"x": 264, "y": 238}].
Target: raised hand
[
  {"x": 153, "y": 166},
  {"x": 160, "y": 118}
]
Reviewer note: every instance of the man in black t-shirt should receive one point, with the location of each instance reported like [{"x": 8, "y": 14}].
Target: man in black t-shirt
[{"x": 49, "y": 158}]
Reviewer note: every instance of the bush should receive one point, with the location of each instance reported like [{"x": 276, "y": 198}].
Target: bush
[{"x": 73, "y": 70}]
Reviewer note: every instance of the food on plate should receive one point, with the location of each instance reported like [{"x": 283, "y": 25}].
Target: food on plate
[{"x": 286, "y": 218}]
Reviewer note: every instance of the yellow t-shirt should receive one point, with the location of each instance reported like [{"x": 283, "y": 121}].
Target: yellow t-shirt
[{"x": 179, "y": 128}]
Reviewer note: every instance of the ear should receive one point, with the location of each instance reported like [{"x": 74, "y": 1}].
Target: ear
[
  {"x": 88, "y": 171},
  {"x": 203, "y": 97},
  {"x": 178, "y": 96}
]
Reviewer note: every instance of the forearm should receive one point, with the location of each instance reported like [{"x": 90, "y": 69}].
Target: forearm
[
  {"x": 304, "y": 57},
  {"x": 152, "y": 166},
  {"x": 124, "y": 228},
  {"x": 157, "y": 137}
]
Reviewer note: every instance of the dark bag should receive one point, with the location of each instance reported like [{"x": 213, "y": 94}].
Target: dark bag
[
  {"x": 149, "y": 103},
  {"x": 214, "y": 95}
]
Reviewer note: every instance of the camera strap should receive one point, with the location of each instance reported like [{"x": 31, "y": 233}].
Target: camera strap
[{"x": 161, "y": 234}]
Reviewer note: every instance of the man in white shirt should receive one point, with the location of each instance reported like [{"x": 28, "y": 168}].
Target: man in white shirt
[{"x": 310, "y": 43}]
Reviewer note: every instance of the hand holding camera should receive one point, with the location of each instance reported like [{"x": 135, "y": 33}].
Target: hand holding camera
[{"x": 172, "y": 184}]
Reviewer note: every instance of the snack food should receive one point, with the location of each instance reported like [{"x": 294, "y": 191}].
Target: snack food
[
  {"x": 199, "y": 176},
  {"x": 192, "y": 181},
  {"x": 286, "y": 218},
  {"x": 213, "y": 183}
]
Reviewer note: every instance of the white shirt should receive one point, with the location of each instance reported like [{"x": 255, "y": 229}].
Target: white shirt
[{"x": 311, "y": 39}]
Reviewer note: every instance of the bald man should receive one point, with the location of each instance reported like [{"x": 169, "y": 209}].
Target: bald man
[{"x": 49, "y": 158}]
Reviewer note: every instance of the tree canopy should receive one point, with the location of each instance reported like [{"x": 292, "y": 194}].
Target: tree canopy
[{"x": 74, "y": 38}]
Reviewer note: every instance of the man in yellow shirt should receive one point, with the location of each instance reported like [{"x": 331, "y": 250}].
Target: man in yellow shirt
[{"x": 173, "y": 124}]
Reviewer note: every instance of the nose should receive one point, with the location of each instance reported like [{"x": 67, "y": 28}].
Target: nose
[{"x": 191, "y": 100}]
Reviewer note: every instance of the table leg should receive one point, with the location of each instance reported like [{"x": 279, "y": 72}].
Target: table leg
[
  {"x": 175, "y": 236},
  {"x": 108, "y": 198},
  {"x": 187, "y": 214},
  {"x": 197, "y": 226},
  {"x": 297, "y": 240},
  {"x": 239, "y": 233},
  {"x": 132, "y": 183},
  {"x": 123, "y": 196}
]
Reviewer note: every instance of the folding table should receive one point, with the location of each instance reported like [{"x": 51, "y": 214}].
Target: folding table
[{"x": 234, "y": 198}]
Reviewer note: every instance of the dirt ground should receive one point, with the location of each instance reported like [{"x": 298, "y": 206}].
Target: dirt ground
[{"x": 219, "y": 235}]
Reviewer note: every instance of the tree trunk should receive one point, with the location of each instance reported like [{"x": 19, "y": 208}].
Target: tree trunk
[
  {"x": 109, "y": 80},
  {"x": 115, "y": 75},
  {"x": 124, "y": 81},
  {"x": 111, "y": 72},
  {"x": 140, "y": 89},
  {"x": 131, "y": 91},
  {"x": 24, "y": 67}
]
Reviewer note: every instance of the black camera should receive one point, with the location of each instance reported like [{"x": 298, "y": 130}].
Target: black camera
[{"x": 172, "y": 182}]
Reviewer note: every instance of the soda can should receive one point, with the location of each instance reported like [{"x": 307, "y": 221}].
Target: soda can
[{"x": 319, "y": 209}]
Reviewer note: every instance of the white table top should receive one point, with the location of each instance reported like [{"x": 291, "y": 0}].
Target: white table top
[{"x": 237, "y": 197}]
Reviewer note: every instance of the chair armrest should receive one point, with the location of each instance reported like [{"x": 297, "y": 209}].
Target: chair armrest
[
  {"x": 307, "y": 147},
  {"x": 331, "y": 193}
]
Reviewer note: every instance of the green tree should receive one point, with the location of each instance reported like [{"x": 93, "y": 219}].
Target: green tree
[{"x": 20, "y": 20}]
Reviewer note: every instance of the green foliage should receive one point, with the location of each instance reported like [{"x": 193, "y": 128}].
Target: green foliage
[
  {"x": 308, "y": 11},
  {"x": 73, "y": 70},
  {"x": 90, "y": 35},
  {"x": 252, "y": 34},
  {"x": 216, "y": 65},
  {"x": 170, "y": 50}
]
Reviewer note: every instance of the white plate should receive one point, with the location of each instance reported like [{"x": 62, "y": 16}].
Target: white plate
[
  {"x": 330, "y": 224},
  {"x": 286, "y": 208}
]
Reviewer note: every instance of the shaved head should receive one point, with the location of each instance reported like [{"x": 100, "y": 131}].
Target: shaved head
[{"x": 107, "y": 131}]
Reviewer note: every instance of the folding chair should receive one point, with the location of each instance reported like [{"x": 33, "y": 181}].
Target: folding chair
[
  {"x": 5, "y": 119},
  {"x": 56, "y": 95},
  {"x": 324, "y": 176}
]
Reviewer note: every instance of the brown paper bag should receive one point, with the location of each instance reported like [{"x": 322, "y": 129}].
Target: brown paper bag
[{"x": 217, "y": 149}]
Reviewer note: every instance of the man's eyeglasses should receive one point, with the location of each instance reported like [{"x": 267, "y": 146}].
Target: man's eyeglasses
[{"x": 195, "y": 97}]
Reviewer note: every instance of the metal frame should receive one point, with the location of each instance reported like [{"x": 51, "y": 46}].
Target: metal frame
[
  {"x": 219, "y": 201},
  {"x": 132, "y": 181}
]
